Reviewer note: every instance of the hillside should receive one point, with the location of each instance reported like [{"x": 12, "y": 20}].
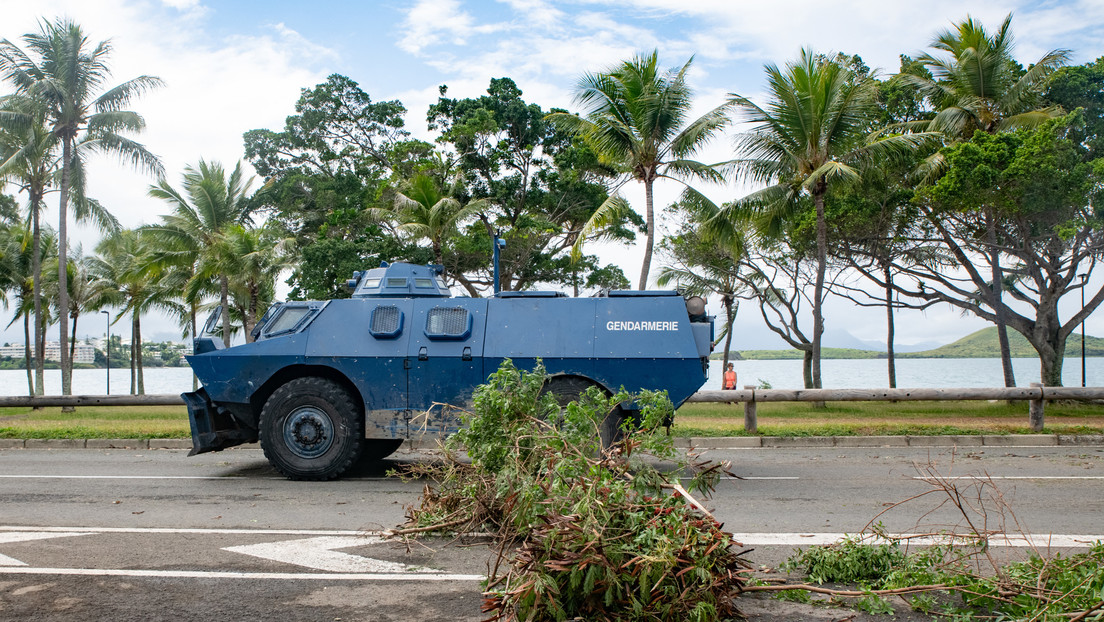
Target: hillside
[{"x": 981, "y": 344}]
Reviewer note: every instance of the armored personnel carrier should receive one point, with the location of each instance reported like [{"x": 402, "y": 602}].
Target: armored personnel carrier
[{"x": 325, "y": 382}]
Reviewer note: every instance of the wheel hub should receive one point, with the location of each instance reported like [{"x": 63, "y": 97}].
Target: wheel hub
[{"x": 308, "y": 432}]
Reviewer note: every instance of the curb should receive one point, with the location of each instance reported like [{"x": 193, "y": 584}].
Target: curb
[{"x": 697, "y": 442}]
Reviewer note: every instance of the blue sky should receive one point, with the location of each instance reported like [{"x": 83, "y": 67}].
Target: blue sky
[{"x": 232, "y": 66}]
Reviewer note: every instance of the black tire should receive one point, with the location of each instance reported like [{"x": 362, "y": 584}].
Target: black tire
[
  {"x": 311, "y": 429},
  {"x": 380, "y": 448},
  {"x": 567, "y": 389}
]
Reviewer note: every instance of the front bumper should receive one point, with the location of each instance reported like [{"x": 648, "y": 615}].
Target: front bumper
[{"x": 213, "y": 428}]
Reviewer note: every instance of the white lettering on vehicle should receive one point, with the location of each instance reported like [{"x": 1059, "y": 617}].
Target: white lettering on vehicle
[{"x": 642, "y": 326}]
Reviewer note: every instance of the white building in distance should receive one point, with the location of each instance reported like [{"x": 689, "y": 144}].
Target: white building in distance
[{"x": 83, "y": 353}]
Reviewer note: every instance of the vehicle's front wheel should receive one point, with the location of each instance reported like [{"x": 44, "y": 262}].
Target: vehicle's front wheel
[
  {"x": 311, "y": 429},
  {"x": 567, "y": 389}
]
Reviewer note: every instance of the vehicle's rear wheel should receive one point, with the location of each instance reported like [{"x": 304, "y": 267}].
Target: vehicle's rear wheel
[
  {"x": 567, "y": 389},
  {"x": 311, "y": 429},
  {"x": 380, "y": 448}
]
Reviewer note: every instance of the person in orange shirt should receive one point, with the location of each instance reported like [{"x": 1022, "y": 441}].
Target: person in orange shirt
[{"x": 729, "y": 383}]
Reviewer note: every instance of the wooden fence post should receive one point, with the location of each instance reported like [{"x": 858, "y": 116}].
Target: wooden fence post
[
  {"x": 751, "y": 418},
  {"x": 1035, "y": 409}
]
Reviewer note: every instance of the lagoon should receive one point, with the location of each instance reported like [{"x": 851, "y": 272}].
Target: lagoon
[{"x": 786, "y": 374}]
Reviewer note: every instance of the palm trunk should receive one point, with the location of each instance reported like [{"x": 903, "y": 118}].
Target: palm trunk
[
  {"x": 36, "y": 290},
  {"x": 73, "y": 340},
  {"x": 650, "y": 216},
  {"x": 133, "y": 374},
  {"x": 72, "y": 350},
  {"x": 63, "y": 264},
  {"x": 818, "y": 292},
  {"x": 890, "y": 328},
  {"x": 138, "y": 353},
  {"x": 27, "y": 353},
  {"x": 249, "y": 318},
  {"x": 195, "y": 329},
  {"x": 225, "y": 301}
]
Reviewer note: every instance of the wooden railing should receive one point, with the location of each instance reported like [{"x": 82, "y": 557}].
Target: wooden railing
[{"x": 1036, "y": 395}]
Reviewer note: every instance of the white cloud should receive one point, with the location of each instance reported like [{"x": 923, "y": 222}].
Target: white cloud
[{"x": 430, "y": 22}]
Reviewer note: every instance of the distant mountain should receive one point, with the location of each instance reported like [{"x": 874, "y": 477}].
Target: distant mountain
[
  {"x": 984, "y": 344},
  {"x": 981, "y": 344}
]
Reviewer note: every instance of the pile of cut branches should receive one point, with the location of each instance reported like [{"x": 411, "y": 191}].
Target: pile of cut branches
[
  {"x": 956, "y": 560},
  {"x": 586, "y": 532}
]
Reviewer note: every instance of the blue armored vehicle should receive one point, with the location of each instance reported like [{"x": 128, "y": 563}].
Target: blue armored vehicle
[{"x": 325, "y": 382}]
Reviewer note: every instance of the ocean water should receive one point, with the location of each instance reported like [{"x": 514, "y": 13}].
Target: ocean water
[{"x": 837, "y": 374}]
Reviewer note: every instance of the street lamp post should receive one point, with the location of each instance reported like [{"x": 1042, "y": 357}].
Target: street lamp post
[
  {"x": 1083, "y": 277},
  {"x": 108, "y": 349}
]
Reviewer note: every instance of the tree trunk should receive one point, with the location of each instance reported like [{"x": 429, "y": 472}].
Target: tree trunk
[
  {"x": 224, "y": 298},
  {"x": 195, "y": 328},
  {"x": 63, "y": 264},
  {"x": 72, "y": 351},
  {"x": 36, "y": 289},
  {"x": 133, "y": 374},
  {"x": 818, "y": 293},
  {"x": 1050, "y": 364},
  {"x": 249, "y": 318},
  {"x": 998, "y": 301},
  {"x": 650, "y": 216},
  {"x": 73, "y": 340},
  {"x": 807, "y": 369},
  {"x": 138, "y": 353},
  {"x": 890, "y": 328},
  {"x": 27, "y": 353},
  {"x": 730, "y": 315}
]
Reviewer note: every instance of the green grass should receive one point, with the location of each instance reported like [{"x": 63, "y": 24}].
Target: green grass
[
  {"x": 886, "y": 419},
  {"x": 142, "y": 422},
  {"x": 775, "y": 419}
]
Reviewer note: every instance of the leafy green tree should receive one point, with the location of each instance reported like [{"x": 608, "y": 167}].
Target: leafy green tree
[
  {"x": 66, "y": 74},
  {"x": 1080, "y": 87},
  {"x": 208, "y": 205},
  {"x": 1041, "y": 189},
  {"x": 635, "y": 117},
  {"x": 333, "y": 160},
  {"x": 975, "y": 84},
  {"x": 702, "y": 266},
  {"x": 812, "y": 133},
  {"x": 538, "y": 188}
]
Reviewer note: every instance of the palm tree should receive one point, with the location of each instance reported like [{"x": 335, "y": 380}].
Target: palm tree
[
  {"x": 209, "y": 204},
  {"x": 66, "y": 75},
  {"x": 255, "y": 258},
  {"x": 811, "y": 132},
  {"x": 16, "y": 276},
  {"x": 424, "y": 211},
  {"x": 121, "y": 268},
  {"x": 86, "y": 293},
  {"x": 976, "y": 85},
  {"x": 635, "y": 119},
  {"x": 29, "y": 159}
]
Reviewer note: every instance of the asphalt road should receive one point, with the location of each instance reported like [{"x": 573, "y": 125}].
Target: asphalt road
[{"x": 146, "y": 535}]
